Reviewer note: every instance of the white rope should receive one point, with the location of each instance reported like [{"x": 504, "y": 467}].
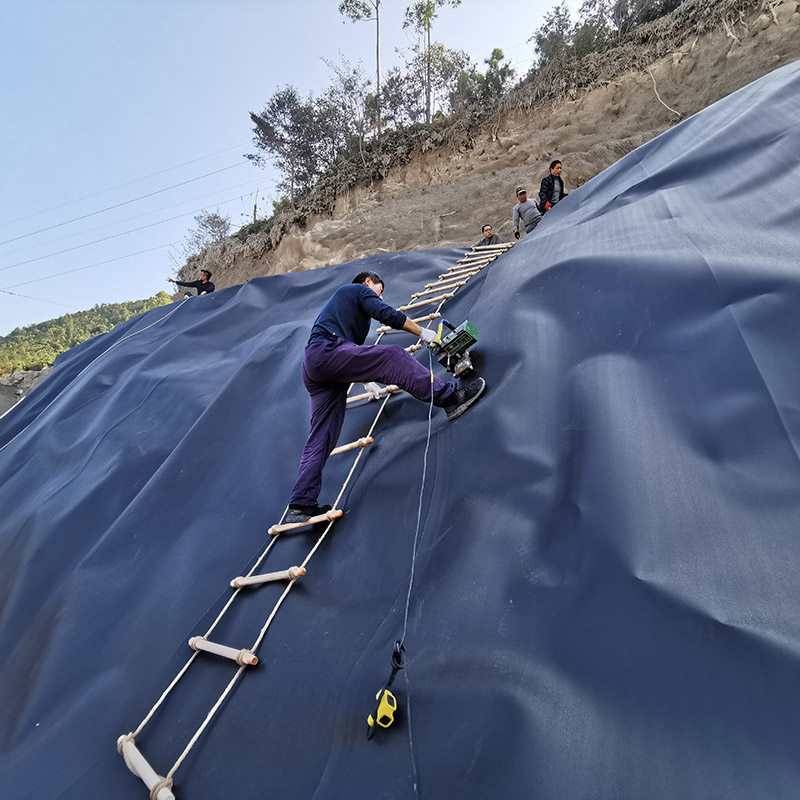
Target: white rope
[
  {"x": 208, "y": 719},
  {"x": 655, "y": 89},
  {"x": 417, "y": 536},
  {"x": 124, "y": 338}
]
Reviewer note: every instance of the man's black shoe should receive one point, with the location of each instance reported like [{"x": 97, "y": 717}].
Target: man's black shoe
[
  {"x": 297, "y": 513},
  {"x": 464, "y": 398}
]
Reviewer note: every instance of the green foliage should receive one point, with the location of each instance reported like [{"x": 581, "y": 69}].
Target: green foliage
[
  {"x": 419, "y": 16},
  {"x": 36, "y": 346},
  {"x": 600, "y": 23},
  {"x": 629, "y": 14},
  {"x": 476, "y": 90},
  {"x": 368, "y": 10},
  {"x": 286, "y": 131},
  {"x": 359, "y": 10},
  {"x": 553, "y": 40}
]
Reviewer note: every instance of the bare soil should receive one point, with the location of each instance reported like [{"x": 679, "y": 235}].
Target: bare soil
[{"x": 443, "y": 196}]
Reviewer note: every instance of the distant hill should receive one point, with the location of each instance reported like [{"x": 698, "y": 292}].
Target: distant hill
[{"x": 36, "y": 346}]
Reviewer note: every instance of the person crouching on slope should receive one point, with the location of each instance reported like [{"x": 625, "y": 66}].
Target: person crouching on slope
[
  {"x": 336, "y": 356},
  {"x": 203, "y": 286}
]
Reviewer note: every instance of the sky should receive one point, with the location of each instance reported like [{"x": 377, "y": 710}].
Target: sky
[{"x": 124, "y": 119}]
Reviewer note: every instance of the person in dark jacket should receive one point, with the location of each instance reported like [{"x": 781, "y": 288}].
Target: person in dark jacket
[
  {"x": 551, "y": 189},
  {"x": 489, "y": 237},
  {"x": 336, "y": 356},
  {"x": 203, "y": 286}
]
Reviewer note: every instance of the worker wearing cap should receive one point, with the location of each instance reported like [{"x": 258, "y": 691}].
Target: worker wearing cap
[{"x": 526, "y": 211}]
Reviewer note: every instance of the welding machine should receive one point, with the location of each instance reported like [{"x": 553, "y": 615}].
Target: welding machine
[{"x": 452, "y": 349}]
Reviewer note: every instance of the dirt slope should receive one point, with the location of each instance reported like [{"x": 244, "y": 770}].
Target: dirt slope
[{"x": 442, "y": 197}]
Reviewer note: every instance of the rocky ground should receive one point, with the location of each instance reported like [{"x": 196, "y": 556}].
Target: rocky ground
[
  {"x": 15, "y": 385},
  {"x": 442, "y": 197}
]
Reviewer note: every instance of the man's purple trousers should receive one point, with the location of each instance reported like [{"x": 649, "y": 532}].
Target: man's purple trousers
[{"x": 328, "y": 369}]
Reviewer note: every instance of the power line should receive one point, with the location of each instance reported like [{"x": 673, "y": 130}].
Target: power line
[
  {"x": 124, "y": 203},
  {"x": 135, "y": 216},
  {"x": 114, "y": 235},
  {"x": 40, "y": 299},
  {"x": 89, "y": 266},
  {"x": 121, "y": 185}
]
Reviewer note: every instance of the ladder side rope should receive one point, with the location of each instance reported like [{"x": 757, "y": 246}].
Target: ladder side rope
[
  {"x": 291, "y": 583},
  {"x": 272, "y": 615},
  {"x": 214, "y": 624},
  {"x": 206, "y": 721}
]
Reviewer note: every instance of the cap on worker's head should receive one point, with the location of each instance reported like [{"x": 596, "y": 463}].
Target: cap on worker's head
[{"x": 521, "y": 190}]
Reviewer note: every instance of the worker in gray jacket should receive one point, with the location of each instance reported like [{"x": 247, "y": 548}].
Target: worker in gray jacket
[{"x": 525, "y": 210}]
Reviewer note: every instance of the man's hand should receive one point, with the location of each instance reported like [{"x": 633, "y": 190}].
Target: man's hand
[
  {"x": 548, "y": 205},
  {"x": 516, "y": 234},
  {"x": 171, "y": 280},
  {"x": 427, "y": 335},
  {"x": 374, "y": 389}
]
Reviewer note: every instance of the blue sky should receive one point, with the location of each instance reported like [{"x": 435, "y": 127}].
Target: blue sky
[{"x": 121, "y": 115}]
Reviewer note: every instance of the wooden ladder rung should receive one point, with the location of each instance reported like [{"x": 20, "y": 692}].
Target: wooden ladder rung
[
  {"x": 442, "y": 282},
  {"x": 418, "y": 320},
  {"x": 441, "y": 297},
  {"x": 291, "y": 574},
  {"x": 466, "y": 272},
  {"x": 368, "y": 396},
  {"x": 437, "y": 287},
  {"x": 328, "y": 516},
  {"x": 141, "y": 768},
  {"x": 503, "y": 246},
  {"x": 244, "y": 658},
  {"x": 479, "y": 259},
  {"x": 362, "y": 442}
]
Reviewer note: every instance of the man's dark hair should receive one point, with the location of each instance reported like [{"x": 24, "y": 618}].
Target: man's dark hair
[
  {"x": 483, "y": 229},
  {"x": 373, "y": 276},
  {"x": 552, "y": 166},
  {"x": 206, "y": 273}
]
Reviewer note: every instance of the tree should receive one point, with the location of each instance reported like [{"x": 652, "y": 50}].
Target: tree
[
  {"x": 359, "y": 10},
  {"x": 628, "y": 14},
  {"x": 211, "y": 227},
  {"x": 401, "y": 99},
  {"x": 474, "y": 89},
  {"x": 594, "y": 30},
  {"x": 420, "y": 16},
  {"x": 36, "y": 346},
  {"x": 497, "y": 76},
  {"x": 286, "y": 131},
  {"x": 343, "y": 112},
  {"x": 553, "y": 39}
]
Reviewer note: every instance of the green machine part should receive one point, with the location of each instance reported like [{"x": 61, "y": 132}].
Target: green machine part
[
  {"x": 452, "y": 351},
  {"x": 459, "y": 340}
]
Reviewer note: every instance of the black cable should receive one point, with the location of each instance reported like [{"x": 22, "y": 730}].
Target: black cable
[
  {"x": 124, "y": 203},
  {"x": 89, "y": 266},
  {"x": 138, "y": 216},
  {"x": 114, "y": 236},
  {"x": 40, "y": 299},
  {"x": 120, "y": 186}
]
